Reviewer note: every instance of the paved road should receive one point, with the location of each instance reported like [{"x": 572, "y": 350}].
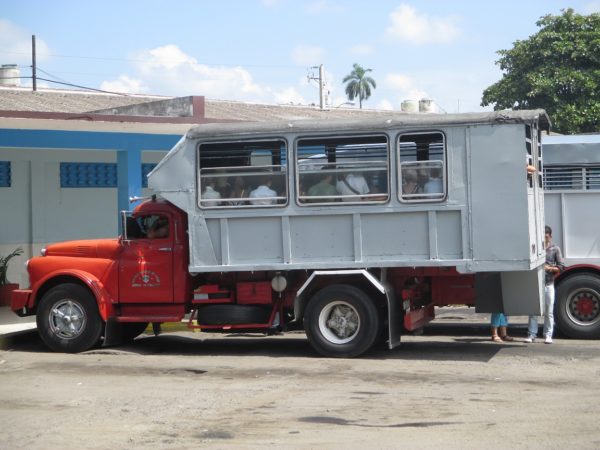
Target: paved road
[{"x": 448, "y": 388}]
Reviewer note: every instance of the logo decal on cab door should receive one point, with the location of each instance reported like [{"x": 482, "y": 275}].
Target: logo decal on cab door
[{"x": 145, "y": 279}]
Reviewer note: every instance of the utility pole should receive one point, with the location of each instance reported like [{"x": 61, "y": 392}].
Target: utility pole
[
  {"x": 33, "y": 63},
  {"x": 321, "y": 80}
]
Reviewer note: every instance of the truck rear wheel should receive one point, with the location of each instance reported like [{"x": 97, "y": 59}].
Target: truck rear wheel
[
  {"x": 577, "y": 306},
  {"x": 341, "y": 321},
  {"x": 68, "y": 319}
]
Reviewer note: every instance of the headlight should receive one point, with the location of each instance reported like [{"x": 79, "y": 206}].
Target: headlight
[{"x": 43, "y": 251}]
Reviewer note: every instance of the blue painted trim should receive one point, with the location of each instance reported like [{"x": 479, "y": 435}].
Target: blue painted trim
[{"x": 85, "y": 140}]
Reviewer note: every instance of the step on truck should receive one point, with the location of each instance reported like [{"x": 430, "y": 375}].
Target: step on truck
[{"x": 352, "y": 230}]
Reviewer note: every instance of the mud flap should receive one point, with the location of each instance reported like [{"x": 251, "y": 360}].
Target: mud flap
[
  {"x": 113, "y": 333},
  {"x": 395, "y": 317}
]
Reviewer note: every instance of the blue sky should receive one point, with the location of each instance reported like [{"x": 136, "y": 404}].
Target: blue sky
[{"x": 262, "y": 50}]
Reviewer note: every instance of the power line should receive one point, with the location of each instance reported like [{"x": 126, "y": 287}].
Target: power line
[
  {"x": 83, "y": 87},
  {"x": 101, "y": 58},
  {"x": 66, "y": 84}
]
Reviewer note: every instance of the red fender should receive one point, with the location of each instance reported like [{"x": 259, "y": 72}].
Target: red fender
[{"x": 103, "y": 298}]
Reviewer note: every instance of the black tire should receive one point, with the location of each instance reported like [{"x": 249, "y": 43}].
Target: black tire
[
  {"x": 132, "y": 330},
  {"x": 68, "y": 319},
  {"x": 232, "y": 314},
  {"x": 341, "y": 321},
  {"x": 577, "y": 306}
]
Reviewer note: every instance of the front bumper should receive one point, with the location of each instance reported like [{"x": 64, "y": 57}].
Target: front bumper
[{"x": 19, "y": 302}]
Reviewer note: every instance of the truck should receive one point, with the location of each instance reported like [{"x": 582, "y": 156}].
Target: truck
[
  {"x": 351, "y": 230},
  {"x": 572, "y": 196}
]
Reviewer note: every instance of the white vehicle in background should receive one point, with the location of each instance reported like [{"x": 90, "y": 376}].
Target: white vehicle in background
[{"x": 572, "y": 209}]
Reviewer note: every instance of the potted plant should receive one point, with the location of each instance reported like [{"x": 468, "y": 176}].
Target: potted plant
[{"x": 5, "y": 287}]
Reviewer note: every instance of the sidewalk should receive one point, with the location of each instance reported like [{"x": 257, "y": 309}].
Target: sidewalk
[{"x": 11, "y": 323}]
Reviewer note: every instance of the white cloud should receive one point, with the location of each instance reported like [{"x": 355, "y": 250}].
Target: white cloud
[
  {"x": 167, "y": 70},
  {"x": 408, "y": 25},
  {"x": 323, "y": 7},
  {"x": 591, "y": 7},
  {"x": 307, "y": 55},
  {"x": 404, "y": 86},
  {"x": 288, "y": 95},
  {"x": 270, "y": 3},
  {"x": 385, "y": 104},
  {"x": 125, "y": 84},
  {"x": 15, "y": 42},
  {"x": 361, "y": 50}
]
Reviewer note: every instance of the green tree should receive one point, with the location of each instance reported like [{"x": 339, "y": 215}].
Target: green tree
[
  {"x": 359, "y": 84},
  {"x": 557, "y": 69}
]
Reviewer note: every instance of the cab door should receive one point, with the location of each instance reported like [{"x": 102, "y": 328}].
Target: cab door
[{"x": 146, "y": 265}]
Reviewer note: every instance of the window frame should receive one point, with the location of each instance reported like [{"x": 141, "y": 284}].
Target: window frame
[
  {"x": 367, "y": 199},
  {"x": 257, "y": 171},
  {"x": 422, "y": 197}
]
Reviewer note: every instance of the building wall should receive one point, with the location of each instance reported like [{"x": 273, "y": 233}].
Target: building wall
[{"x": 35, "y": 210}]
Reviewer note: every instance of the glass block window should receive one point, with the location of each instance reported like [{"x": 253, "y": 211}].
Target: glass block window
[
  {"x": 146, "y": 169},
  {"x": 84, "y": 175},
  {"x": 5, "y": 179},
  {"x": 93, "y": 175}
]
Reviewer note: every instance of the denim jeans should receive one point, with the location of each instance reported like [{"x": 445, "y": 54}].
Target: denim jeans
[
  {"x": 548, "y": 314},
  {"x": 498, "y": 320}
]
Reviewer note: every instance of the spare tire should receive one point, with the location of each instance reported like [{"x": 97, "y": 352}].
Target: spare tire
[{"x": 232, "y": 314}]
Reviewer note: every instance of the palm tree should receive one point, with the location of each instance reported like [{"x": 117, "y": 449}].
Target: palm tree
[{"x": 359, "y": 84}]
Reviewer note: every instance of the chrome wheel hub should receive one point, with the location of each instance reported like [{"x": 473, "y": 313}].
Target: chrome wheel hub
[
  {"x": 67, "y": 319},
  {"x": 339, "y": 322}
]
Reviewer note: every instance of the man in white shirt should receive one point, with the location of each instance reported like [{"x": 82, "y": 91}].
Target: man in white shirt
[
  {"x": 210, "y": 194},
  {"x": 354, "y": 185},
  {"x": 263, "y": 194}
]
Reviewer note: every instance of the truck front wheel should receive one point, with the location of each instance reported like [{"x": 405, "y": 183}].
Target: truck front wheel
[
  {"x": 341, "y": 321},
  {"x": 577, "y": 308},
  {"x": 68, "y": 320}
]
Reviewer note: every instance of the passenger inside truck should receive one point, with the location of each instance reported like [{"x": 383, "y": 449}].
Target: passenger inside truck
[{"x": 159, "y": 228}]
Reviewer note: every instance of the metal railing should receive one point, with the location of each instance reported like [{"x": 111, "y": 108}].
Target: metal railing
[{"x": 572, "y": 178}]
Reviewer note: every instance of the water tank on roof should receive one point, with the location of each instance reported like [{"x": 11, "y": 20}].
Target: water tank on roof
[
  {"x": 410, "y": 106},
  {"x": 426, "y": 105},
  {"x": 10, "y": 75}
]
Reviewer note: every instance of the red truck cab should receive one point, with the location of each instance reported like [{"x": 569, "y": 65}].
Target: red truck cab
[{"x": 125, "y": 282}]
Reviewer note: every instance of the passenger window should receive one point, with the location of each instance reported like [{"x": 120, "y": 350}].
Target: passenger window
[
  {"x": 146, "y": 227},
  {"x": 422, "y": 171},
  {"x": 242, "y": 174},
  {"x": 344, "y": 169}
]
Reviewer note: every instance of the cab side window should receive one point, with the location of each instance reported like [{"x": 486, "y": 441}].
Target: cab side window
[{"x": 152, "y": 226}]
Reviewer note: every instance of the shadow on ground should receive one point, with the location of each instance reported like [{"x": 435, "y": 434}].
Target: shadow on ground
[{"x": 467, "y": 347}]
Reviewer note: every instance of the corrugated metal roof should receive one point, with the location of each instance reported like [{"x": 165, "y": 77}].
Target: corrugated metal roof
[
  {"x": 77, "y": 102},
  {"x": 21, "y": 99}
]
